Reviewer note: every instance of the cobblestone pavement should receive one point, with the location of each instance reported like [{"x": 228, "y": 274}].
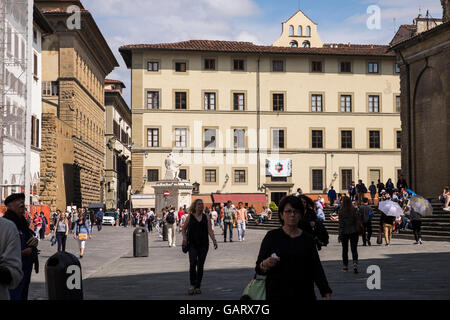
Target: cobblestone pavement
[{"x": 111, "y": 272}]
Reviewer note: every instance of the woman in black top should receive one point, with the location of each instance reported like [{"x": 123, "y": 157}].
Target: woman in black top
[
  {"x": 195, "y": 234},
  {"x": 289, "y": 258}
]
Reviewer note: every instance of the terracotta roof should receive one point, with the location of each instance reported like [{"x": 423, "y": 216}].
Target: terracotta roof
[
  {"x": 418, "y": 37},
  {"x": 248, "y": 47},
  {"x": 111, "y": 81}
]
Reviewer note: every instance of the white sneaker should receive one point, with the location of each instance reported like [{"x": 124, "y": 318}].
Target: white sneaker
[
  {"x": 420, "y": 241},
  {"x": 174, "y": 245},
  {"x": 446, "y": 208}
]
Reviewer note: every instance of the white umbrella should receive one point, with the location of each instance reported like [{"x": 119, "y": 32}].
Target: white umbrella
[{"x": 390, "y": 208}]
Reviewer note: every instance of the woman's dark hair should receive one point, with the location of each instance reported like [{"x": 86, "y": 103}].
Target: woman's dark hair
[
  {"x": 308, "y": 200},
  {"x": 294, "y": 201},
  {"x": 346, "y": 203}
]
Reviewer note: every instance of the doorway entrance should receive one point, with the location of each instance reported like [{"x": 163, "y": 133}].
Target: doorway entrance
[{"x": 277, "y": 196}]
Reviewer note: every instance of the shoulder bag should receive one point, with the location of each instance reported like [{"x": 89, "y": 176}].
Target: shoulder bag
[
  {"x": 256, "y": 289},
  {"x": 81, "y": 236}
]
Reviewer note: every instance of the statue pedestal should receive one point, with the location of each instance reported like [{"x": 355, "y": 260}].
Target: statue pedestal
[{"x": 180, "y": 194}]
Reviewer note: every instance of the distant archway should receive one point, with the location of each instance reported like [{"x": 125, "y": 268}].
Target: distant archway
[
  {"x": 306, "y": 44},
  {"x": 293, "y": 44},
  {"x": 308, "y": 31},
  {"x": 300, "y": 30},
  {"x": 291, "y": 30}
]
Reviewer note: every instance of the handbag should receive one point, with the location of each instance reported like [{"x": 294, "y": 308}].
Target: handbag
[
  {"x": 256, "y": 289},
  {"x": 82, "y": 236},
  {"x": 53, "y": 240}
]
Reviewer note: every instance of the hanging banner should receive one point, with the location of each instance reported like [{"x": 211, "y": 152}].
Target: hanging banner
[{"x": 279, "y": 167}]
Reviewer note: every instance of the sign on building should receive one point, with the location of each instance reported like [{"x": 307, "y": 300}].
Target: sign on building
[{"x": 279, "y": 167}]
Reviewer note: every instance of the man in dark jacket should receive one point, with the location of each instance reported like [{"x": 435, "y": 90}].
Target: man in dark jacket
[
  {"x": 99, "y": 219},
  {"x": 360, "y": 190},
  {"x": 401, "y": 183},
  {"x": 15, "y": 205},
  {"x": 380, "y": 187},
  {"x": 365, "y": 212},
  {"x": 373, "y": 192},
  {"x": 332, "y": 196}
]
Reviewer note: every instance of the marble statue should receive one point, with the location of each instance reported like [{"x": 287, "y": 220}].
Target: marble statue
[{"x": 172, "y": 168}]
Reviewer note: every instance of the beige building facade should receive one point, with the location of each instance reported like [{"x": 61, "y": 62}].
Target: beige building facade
[{"x": 225, "y": 108}]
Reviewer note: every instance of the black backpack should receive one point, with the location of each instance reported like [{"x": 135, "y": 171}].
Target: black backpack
[
  {"x": 320, "y": 234},
  {"x": 170, "y": 219}
]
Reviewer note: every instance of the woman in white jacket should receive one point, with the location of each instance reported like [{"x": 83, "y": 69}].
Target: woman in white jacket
[{"x": 10, "y": 258}]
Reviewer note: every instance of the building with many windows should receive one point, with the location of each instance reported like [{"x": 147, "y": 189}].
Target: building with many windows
[
  {"x": 118, "y": 145},
  {"x": 76, "y": 61},
  {"x": 244, "y": 118},
  {"x": 14, "y": 68}
]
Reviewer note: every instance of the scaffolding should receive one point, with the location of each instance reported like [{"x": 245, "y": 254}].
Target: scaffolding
[{"x": 16, "y": 30}]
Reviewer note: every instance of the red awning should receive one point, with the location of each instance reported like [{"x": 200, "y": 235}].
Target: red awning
[{"x": 240, "y": 197}]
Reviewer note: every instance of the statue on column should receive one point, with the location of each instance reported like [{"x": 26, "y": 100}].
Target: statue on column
[{"x": 172, "y": 168}]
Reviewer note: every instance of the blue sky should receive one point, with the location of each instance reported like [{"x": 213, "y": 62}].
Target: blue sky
[{"x": 258, "y": 21}]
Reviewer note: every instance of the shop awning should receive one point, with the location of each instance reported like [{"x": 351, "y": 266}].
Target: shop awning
[
  {"x": 240, "y": 197},
  {"x": 206, "y": 198}
]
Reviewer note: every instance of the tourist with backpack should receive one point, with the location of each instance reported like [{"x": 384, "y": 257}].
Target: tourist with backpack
[
  {"x": 171, "y": 220},
  {"x": 228, "y": 218},
  {"x": 366, "y": 214}
]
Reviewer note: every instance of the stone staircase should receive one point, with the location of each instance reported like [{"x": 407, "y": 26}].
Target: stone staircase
[{"x": 434, "y": 228}]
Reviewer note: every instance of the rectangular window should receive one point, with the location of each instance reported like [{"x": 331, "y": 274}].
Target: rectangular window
[
  {"x": 277, "y": 65},
  {"x": 397, "y": 68},
  {"x": 23, "y": 50},
  {"x": 399, "y": 139},
  {"x": 180, "y": 100},
  {"x": 278, "y": 138},
  {"x": 316, "y": 103},
  {"x": 152, "y": 100},
  {"x": 180, "y": 66},
  {"x": 239, "y": 138},
  {"x": 346, "y": 66},
  {"x": 210, "y": 101},
  {"x": 210, "y": 138},
  {"x": 239, "y": 176},
  {"x": 374, "y": 139},
  {"x": 183, "y": 174},
  {"x": 238, "y": 101},
  {"x": 346, "y": 139},
  {"x": 346, "y": 179},
  {"x": 317, "y": 179},
  {"x": 278, "y": 179},
  {"x": 152, "y": 175},
  {"x": 373, "y": 67},
  {"x": 397, "y": 103},
  {"x": 153, "y": 66},
  {"x": 35, "y": 65},
  {"x": 374, "y": 103},
  {"x": 153, "y": 137},
  {"x": 16, "y": 46},
  {"x": 278, "y": 101},
  {"x": 181, "y": 137},
  {"x": 210, "y": 64},
  {"x": 33, "y": 128},
  {"x": 346, "y": 103},
  {"x": 210, "y": 175},
  {"x": 35, "y": 37},
  {"x": 9, "y": 41},
  {"x": 238, "y": 65},
  {"x": 316, "y": 66},
  {"x": 317, "y": 139}
]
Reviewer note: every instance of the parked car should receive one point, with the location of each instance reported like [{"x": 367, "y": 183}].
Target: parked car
[{"x": 108, "y": 218}]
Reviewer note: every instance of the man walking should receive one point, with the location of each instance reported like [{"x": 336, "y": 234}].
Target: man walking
[
  {"x": 11, "y": 260},
  {"x": 171, "y": 220},
  {"x": 373, "y": 192},
  {"x": 366, "y": 214},
  {"x": 15, "y": 205},
  {"x": 228, "y": 218},
  {"x": 241, "y": 219},
  {"x": 99, "y": 219},
  {"x": 332, "y": 196}
]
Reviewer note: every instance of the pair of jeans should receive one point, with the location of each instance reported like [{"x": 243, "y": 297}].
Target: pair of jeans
[
  {"x": 225, "y": 226},
  {"x": 353, "y": 238},
  {"x": 332, "y": 200},
  {"x": 61, "y": 239},
  {"x": 197, "y": 257},
  {"x": 387, "y": 232},
  {"x": 367, "y": 231},
  {"x": 416, "y": 226},
  {"x": 98, "y": 222},
  {"x": 241, "y": 230},
  {"x": 171, "y": 234}
]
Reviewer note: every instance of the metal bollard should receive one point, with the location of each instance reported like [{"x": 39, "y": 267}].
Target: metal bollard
[
  {"x": 140, "y": 242},
  {"x": 63, "y": 278}
]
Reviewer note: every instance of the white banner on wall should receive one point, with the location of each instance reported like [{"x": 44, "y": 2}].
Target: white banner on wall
[{"x": 279, "y": 167}]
